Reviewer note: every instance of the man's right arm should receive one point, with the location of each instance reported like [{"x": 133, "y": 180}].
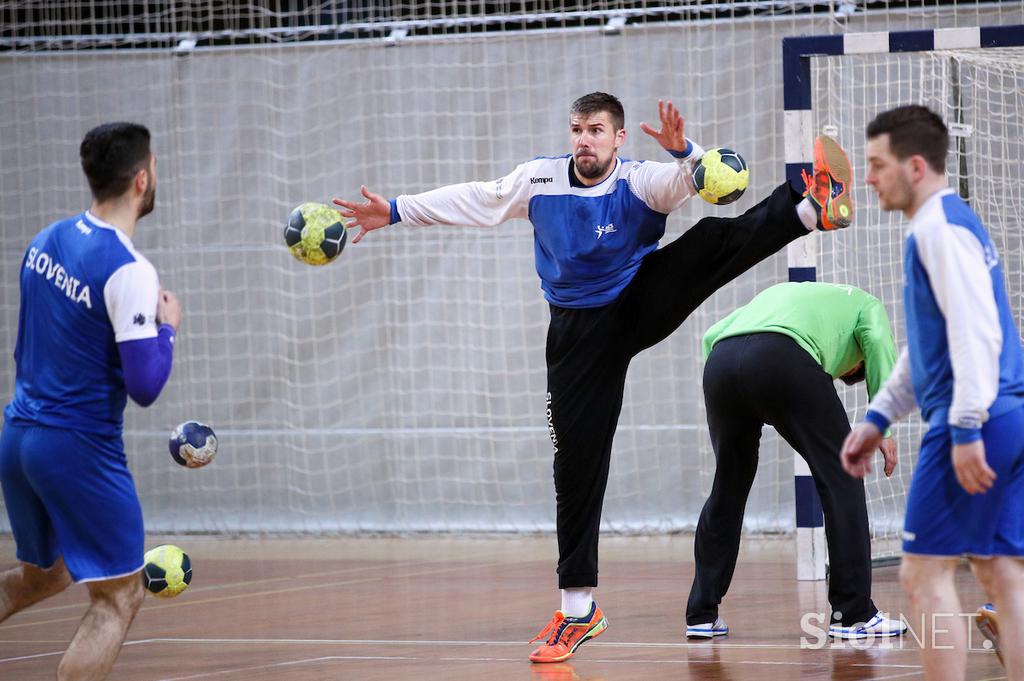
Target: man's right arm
[
  {"x": 473, "y": 204},
  {"x": 480, "y": 204},
  {"x": 896, "y": 399},
  {"x": 145, "y": 320}
]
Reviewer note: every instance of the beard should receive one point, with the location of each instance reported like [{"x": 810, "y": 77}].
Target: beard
[
  {"x": 148, "y": 202},
  {"x": 900, "y": 195},
  {"x": 594, "y": 168}
]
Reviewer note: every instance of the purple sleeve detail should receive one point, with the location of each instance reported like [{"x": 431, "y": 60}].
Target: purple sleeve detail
[{"x": 147, "y": 364}]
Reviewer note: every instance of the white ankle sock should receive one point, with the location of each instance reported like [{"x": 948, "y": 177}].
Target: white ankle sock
[
  {"x": 808, "y": 214},
  {"x": 576, "y": 602}
]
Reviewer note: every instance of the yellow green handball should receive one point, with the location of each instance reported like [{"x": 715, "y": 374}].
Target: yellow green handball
[
  {"x": 720, "y": 176},
  {"x": 315, "y": 233},
  {"x": 167, "y": 571}
]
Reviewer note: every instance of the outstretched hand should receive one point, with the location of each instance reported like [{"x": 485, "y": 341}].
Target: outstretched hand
[
  {"x": 670, "y": 136},
  {"x": 373, "y": 214}
]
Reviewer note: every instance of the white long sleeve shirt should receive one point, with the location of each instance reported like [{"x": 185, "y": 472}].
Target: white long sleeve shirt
[
  {"x": 963, "y": 362},
  {"x": 588, "y": 241}
]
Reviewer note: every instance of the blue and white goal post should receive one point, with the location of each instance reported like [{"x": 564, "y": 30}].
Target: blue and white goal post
[{"x": 803, "y": 255}]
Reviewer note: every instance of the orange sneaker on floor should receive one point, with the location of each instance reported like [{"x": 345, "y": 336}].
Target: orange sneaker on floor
[
  {"x": 988, "y": 623},
  {"x": 566, "y": 634},
  {"x": 830, "y": 185}
]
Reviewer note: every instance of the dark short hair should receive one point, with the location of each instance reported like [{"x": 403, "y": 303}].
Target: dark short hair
[
  {"x": 597, "y": 102},
  {"x": 855, "y": 377},
  {"x": 111, "y": 154},
  {"x": 913, "y": 130}
]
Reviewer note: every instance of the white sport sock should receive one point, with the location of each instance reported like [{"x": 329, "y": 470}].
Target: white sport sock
[
  {"x": 576, "y": 602},
  {"x": 808, "y": 214}
]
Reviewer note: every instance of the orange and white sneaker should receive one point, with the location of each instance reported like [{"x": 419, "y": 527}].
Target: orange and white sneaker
[
  {"x": 987, "y": 620},
  {"x": 565, "y": 634},
  {"x": 830, "y": 185}
]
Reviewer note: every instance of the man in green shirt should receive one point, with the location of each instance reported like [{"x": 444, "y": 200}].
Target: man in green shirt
[{"x": 774, "y": 361}]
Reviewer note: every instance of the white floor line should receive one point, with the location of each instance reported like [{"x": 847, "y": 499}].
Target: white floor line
[
  {"x": 898, "y": 676},
  {"x": 721, "y": 646},
  {"x": 590, "y": 660},
  {"x": 60, "y": 652},
  {"x": 82, "y": 605},
  {"x": 903, "y": 666},
  {"x": 30, "y": 657},
  {"x": 276, "y": 592},
  {"x": 493, "y": 659},
  {"x": 724, "y": 645},
  {"x": 284, "y": 664}
]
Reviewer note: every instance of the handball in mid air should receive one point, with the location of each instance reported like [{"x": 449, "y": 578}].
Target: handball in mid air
[
  {"x": 315, "y": 233},
  {"x": 193, "y": 444},
  {"x": 167, "y": 571},
  {"x": 720, "y": 176}
]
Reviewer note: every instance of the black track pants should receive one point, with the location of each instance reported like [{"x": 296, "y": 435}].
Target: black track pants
[
  {"x": 767, "y": 378},
  {"x": 589, "y": 350}
]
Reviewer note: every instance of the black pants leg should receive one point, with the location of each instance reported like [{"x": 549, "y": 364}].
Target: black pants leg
[
  {"x": 773, "y": 377},
  {"x": 735, "y": 436},
  {"x": 589, "y": 350},
  {"x": 674, "y": 280},
  {"x": 804, "y": 408},
  {"x": 587, "y": 363}
]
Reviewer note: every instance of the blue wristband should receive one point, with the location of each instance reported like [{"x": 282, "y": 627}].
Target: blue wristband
[
  {"x": 395, "y": 217},
  {"x": 684, "y": 153},
  {"x": 963, "y": 436},
  {"x": 877, "y": 419},
  {"x": 167, "y": 330}
]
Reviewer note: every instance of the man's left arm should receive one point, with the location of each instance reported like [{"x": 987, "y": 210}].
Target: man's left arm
[
  {"x": 962, "y": 283},
  {"x": 666, "y": 186},
  {"x": 874, "y": 336}
]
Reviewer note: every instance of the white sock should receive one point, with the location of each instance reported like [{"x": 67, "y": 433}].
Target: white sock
[
  {"x": 808, "y": 214},
  {"x": 576, "y": 602}
]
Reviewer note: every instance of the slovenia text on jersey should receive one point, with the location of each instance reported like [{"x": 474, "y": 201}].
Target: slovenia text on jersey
[{"x": 84, "y": 288}]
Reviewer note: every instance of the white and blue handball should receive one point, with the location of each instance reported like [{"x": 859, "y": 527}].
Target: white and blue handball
[{"x": 193, "y": 444}]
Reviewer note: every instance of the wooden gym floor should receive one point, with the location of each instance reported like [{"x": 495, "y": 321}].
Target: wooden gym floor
[{"x": 443, "y": 609}]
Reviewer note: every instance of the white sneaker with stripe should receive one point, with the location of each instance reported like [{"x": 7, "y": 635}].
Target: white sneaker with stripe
[
  {"x": 878, "y": 626},
  {"x": 709, "y": 630}
]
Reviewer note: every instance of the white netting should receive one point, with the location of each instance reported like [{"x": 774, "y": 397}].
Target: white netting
[
  {"x": 402, "y": 387},
  {"x": 981, "y": 94}
]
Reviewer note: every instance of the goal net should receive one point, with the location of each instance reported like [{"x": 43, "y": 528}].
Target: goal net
[{"x": 980, "y": 93}]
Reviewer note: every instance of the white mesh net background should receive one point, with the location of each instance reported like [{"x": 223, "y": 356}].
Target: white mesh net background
[
  {"x": 981, "y": 94},
  {"x": 401, "y": 388}
]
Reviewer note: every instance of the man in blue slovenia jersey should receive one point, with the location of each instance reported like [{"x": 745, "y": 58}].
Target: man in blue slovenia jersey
[
  {"x": 94, "y": 328},
  {"x": 597, "y": 219},
  {"x": 963, "y": 367}
]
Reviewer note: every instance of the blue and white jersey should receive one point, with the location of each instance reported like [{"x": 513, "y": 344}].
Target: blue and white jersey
[
  {"x": 84, "y": 288},
  {"x": 588, "y": 241},
  {"x": 963, "y": 361}
]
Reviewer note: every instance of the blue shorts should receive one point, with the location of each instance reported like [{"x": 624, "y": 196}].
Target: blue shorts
[
  {"x": 944, "y": 520},
  {"x": 70, "y": 494}
]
